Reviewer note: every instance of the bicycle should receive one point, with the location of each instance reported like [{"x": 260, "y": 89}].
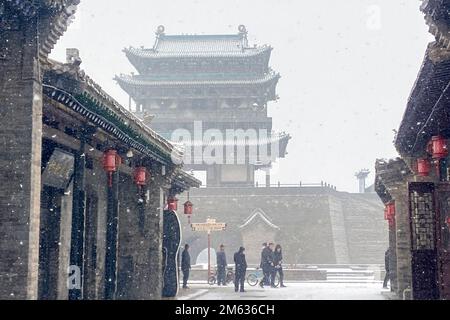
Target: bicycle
[
  {"x": 256, "y": 277},
  {"x": 229, "y": 277}
]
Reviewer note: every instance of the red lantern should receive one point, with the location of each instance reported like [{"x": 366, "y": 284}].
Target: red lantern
[
  {"x": 423, "y": 167},
  {"x": 390, "y": 210},
  {"x": 172, "y": 204},
  {"x": 111, "y": 161},
  {"x": 389, "y": 213},
  {"x": 438, "y": 147},
  {"x": 448, "y": 221},
  {"x": 140, "y": 176},
  {"x": 188, "y": 206}
]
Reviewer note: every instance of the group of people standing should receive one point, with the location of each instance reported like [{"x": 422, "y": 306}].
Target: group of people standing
[{"x": 271, "y": 264}]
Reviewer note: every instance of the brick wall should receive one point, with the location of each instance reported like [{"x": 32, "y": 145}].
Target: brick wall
[
  {"x": 317, "y": 225},
  {"x": 301, "y": 213},
  {"x": 139, "y": 254},
  {"x": 366, "y": 229},
  {"x": 252, "y": 238},
  {"x": 20, "y": 161}
]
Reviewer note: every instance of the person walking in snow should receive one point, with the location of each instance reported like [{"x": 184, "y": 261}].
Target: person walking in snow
[
  {"x": 278, "y": 267},
  {"x": 241, "y": 270},
  {"x": 221, "y": 265},
  {"x": 185, "y": 265}
]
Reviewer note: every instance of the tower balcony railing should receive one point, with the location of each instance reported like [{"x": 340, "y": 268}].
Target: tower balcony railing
[{"x": 301, "y": 184}]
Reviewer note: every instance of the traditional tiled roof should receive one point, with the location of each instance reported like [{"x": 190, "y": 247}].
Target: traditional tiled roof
[
  {"x": 426, "y": 113},
  {"x": 199, "y": 43},
  {"x": 185, "y": 180},
  {"x": 274, "y": 138},
  {"x": 437, "y": 17},
  {"x": 212, "y": 50},
  {"x": 258, "y": 214},
  {"x": 392, "y": 171},
  {"x": 90, "y": 100},
  {"x": 213, "y": 81},
  {"x": 205, "y": 50},
  {"x": 58, "y": 16}
]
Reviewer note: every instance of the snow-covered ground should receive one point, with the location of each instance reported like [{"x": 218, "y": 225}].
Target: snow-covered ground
[{"x": 294, "y": 291}]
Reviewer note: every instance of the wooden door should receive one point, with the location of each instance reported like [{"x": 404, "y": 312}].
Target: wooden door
[
  {"x": 90, "y": 247},
  {"x": 443, "y": 239},
  {"x": 49, "y": 243}
]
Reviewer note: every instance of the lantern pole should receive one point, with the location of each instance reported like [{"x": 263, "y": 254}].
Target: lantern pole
[
  {"x": 209, "y": 254},
  {"x": 209, "y": 226}
]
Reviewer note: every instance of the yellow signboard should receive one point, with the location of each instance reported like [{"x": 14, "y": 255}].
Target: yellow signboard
[{"x": 209, "y": 225}]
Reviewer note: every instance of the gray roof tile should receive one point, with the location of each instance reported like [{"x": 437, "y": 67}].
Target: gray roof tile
[{"x": 198, "y": 46}]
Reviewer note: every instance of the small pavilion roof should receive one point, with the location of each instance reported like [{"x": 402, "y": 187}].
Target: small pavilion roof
[{"x": 259, "y": 214}]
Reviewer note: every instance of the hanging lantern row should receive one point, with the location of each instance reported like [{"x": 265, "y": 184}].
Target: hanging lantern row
[
  {"x": 111, "y": 162},
  {"x": 437, "y": 148}
]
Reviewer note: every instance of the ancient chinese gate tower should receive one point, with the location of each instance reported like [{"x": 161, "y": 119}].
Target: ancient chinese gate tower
[
  {"x": 224, "y": 83},
  {"x": 210, "y": 85}
]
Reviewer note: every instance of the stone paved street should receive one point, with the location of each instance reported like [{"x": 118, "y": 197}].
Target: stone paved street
[{"x": 294, "y": 291}]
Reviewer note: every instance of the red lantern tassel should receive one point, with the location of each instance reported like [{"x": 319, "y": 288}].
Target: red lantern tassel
[
  {"x": 438, "y": 168},
  {"x": 110, "y": 179}
]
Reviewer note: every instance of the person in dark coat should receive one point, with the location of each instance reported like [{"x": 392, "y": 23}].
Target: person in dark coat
[
  {"x": 271, "y": 265},
  {"x": 185, "y": 265},
  {"x": 387, "y": 255},
  {"x": 264, "y": 246},
  {"x": 241, "y": 270},
  {"x": 221, "y": 265},
  {"x": 278, "y": 267},
  {"x": 264, "y": 265}
]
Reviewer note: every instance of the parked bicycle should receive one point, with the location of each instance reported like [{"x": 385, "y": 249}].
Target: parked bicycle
[
  {"x": 256, "y": 277},
  {"x": 229, "y": 277}
]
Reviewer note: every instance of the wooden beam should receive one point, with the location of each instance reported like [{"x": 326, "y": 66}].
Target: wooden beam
[{"x": 71, "y": 142}]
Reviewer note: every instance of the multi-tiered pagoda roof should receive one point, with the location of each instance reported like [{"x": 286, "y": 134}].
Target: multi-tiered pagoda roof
[
  {"x": 219, "y": 81},
  {"x": 205, "y": 62}
]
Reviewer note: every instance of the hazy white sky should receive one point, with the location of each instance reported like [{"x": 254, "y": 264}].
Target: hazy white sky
[{"x": 347, "y": 67}]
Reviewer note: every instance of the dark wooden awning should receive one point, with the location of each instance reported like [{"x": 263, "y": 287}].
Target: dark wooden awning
[{"x": 427, "y": 111}]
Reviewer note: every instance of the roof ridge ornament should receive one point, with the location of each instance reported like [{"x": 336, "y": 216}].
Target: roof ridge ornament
[
  {"x": 159, "y": 32},
  {"x": 243, "y": 32}
]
